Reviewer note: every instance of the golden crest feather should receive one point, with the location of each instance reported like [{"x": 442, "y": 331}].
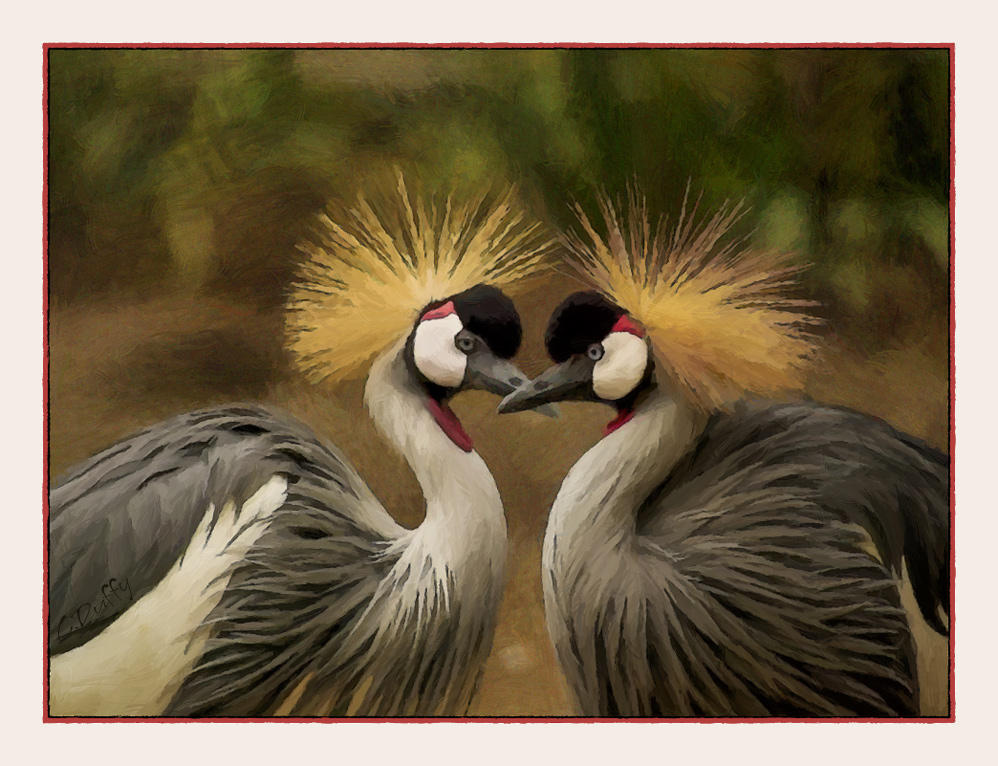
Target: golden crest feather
[
  {"x": 717, "y": 313},
  {"x": 372, "y": 268}
]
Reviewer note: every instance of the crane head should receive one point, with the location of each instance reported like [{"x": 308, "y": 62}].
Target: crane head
[
  {"x": 601, "y": 354},
  {"x": 465, "y": 342},
  {"x": 720, "y": 314}
]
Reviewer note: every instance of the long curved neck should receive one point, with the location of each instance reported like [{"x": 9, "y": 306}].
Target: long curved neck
[
  {"x": 461, "y": 496},
  {"x": 604, "y": 489},
  {"x": 444, "y": 586}
]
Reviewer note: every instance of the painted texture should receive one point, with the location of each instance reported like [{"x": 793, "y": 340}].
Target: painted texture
[
  {"x": 133, "y": 666},
  {"x": 179, "y": 188}
]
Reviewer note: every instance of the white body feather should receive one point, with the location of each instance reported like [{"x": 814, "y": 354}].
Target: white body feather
[{"x": 135, "y": 665}]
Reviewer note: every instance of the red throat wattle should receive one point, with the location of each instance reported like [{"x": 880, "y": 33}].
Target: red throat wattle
[
  {"x": 448, "y": 421},
  {"x": 622, "y": 417}
]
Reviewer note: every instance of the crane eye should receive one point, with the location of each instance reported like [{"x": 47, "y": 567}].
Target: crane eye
[
  {"x": 466, "y": 344},
  {"x": 595, "y": 352}
]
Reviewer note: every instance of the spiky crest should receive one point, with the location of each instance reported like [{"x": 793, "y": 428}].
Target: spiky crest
[
  {"x": 717, "y": 313},
  {"x": 372, "y": 267}
]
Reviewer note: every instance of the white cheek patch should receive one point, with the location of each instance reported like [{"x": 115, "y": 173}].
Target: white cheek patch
[
  {"x": 625, "y": 357},
  {"x": 434, "y": 351}
]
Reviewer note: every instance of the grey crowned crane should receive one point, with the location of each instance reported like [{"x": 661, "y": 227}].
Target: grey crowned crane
[
  {"x": 716, "y": 553},
  {"x": 231, "y": 562}
]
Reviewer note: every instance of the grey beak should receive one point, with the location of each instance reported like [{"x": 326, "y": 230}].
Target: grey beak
[
  {"x": 488, "y": 372},
  {"x": 569, "y": 380}
]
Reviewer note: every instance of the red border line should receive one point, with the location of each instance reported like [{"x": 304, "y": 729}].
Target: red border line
[
  {"x": 45, "y": 382},
  {"x": 46, "y": 47},
  {"x": 493, "y": 719},
  {"x": 511, "y": 45},
  {"x": 952, "y": 381}
]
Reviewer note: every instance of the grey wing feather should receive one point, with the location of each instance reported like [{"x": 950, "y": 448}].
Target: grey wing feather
[
  {"x": 125, "y": 515},
  {"x": 128, "y": 513},
  {"x": 856, "y": 467}
]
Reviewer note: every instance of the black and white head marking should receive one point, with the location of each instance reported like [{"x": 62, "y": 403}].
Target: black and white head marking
[
  {"x": 479, "y": 321},
  {"x": 589, "y": 326}
]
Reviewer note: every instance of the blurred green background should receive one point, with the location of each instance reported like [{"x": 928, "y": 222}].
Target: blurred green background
[{"x": 180, "y": 180}]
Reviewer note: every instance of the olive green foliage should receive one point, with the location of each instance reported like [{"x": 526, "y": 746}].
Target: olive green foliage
[{"x": 200, "y": 169}]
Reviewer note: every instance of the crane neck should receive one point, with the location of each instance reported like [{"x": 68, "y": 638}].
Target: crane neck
[
  {"x": 459, "y": 490},
  {"x": 604, "y": 489}
]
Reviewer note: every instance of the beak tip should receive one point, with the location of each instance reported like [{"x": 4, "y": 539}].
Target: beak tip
[{"x": 503, "y": 406}]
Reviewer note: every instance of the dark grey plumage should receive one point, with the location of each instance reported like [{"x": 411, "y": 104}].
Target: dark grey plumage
[
  {"x": 852, "y": 465},
  {"x": 748, "y": 587},
  {"x": 291, "y": 619},
  {"x": 129, "y": 511}
]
